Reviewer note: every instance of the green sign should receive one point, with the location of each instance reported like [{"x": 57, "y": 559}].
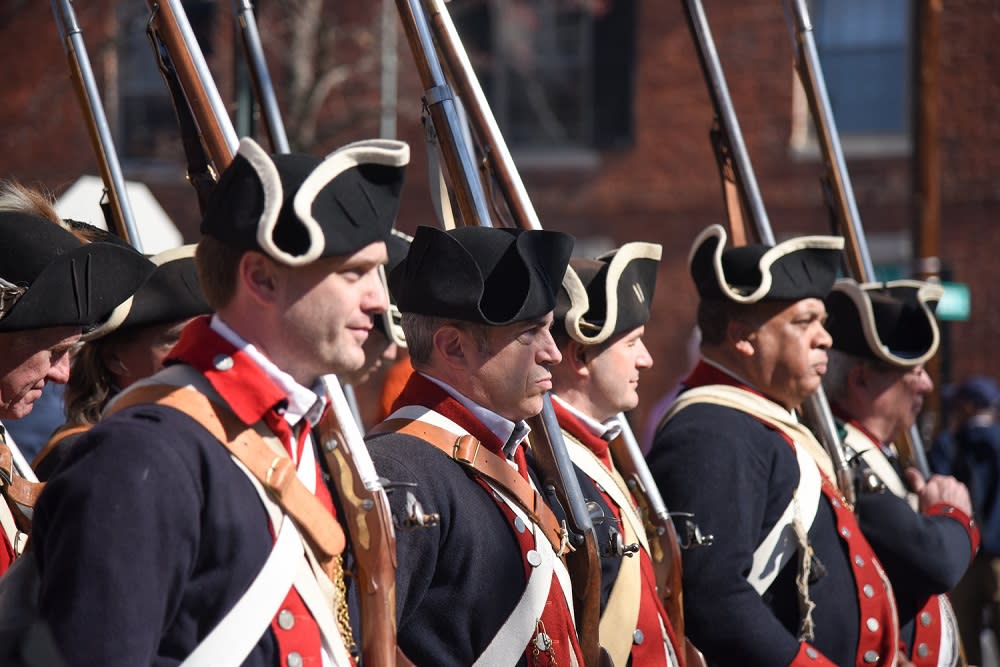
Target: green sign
[{"x": 956, "y": 302}]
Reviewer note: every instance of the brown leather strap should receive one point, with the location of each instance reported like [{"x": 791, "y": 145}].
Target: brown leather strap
[
  {"x": 58, "y": 437},
  {"x": 12, "y": 485},
  {"x": 468, "y": 451},
  {"x": 274, "y": 470}
]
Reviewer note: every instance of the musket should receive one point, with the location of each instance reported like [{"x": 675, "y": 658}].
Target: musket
[
  {"x": 748, "y": 209},
  {"x": 368, "y": 519},
  {"x": 253, "y": 51},
  {"x": 206, "y": 130},
  {"x": 558, "y": 477},
  {"x": 837, "y": 181},
  {"x": 664, "y": 544},
  {"x": 85, "y": 85}
]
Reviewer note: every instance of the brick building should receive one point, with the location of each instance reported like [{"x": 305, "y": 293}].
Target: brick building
[{"x": 606, "y": 111}]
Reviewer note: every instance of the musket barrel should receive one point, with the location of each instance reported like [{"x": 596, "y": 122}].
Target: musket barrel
[
  {"x": 254, "y": 52},
  {"x": 726, "y": 113},
  {"x": 811, "y": 70},
  {"x": 97, "y": 121},
  {"x": 220, "y": 138},
  {"x": 440, "y": 101},
  {"x": 484, "y": 122}
]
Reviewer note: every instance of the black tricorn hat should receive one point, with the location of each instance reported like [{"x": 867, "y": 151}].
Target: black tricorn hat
[
  {"x": 297, "y": 208},
  {"x": 49, "y": 278},
  {"x": 389, "y": 322},
  {"x": 891, "y": 322},
  {"x": 601, "y": 298},
  {"x": 171, "y": 294},
  {"x": 795, "y": 269},
  {"x": 480, "y": 274}
]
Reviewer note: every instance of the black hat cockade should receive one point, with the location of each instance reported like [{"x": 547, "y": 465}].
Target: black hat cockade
[
  {"x": 49, "y": 278},
  {"x": 799, "y": 268},
  {"x": 389, "y": 322},
  {"x": 891, "y": 322},
  {"x": 602, "y": 298},
  {"x": 171, "y": 294},
  {"x": 485, "y": 275},
  {"x": 297, "y": 208}
]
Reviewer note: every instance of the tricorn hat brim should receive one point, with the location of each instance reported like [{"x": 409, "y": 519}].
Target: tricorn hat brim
[
  {"x": 606, "y": 297},
  {"x": 799, "y": 268},
  {"x": 171, "y": 294},
  {"x": 64, "y": 281},
  {"x": 485, "y": 275},
  {"x": 297, "y": 208},
  {"x": 891, "y": 322}
]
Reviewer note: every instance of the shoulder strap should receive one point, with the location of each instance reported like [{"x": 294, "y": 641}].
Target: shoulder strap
[
  {"x": 58, "y": 437},
  {"x": 275, "y": 472},
  {"x": 470, "y": 453},
  {"x": 761, "y": 409}
]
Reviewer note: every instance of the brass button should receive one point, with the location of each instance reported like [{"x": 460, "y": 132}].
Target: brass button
[
  {"x": 868, "y": 590},
  {"x": 638, "y": 637},
  {"x": 872, "y": 624},
  {"x": 871, "y": 657},
  {"x": 294, "y": 659},
  {"x": 286, "y": 619}
]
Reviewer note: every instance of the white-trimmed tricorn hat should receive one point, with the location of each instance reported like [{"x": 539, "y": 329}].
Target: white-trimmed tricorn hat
[
  {"x": 172, "y": 293},
  {"x": 891, "y": 322},
  {"x": 297, "y": 208},
  {"x": 799, "y": 268},
  {"x": 604, "y": 297}
]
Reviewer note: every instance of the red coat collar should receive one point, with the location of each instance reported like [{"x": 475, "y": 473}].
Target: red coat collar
[
  {"x": 705, "y": 374},
  {"x": 421, "y": 391},
  {"x": 250, "y": 393}
]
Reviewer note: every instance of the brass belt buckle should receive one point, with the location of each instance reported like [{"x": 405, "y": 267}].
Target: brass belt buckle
[{"x": 456, "y": 451}]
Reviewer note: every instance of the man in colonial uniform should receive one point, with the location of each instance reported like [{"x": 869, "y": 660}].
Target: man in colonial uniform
[
  {"x": 486, "y": 585},
  {"x": 600, "y": 320},
  {"x": 883, "y": 334},
  {"x": 156, "y": 539},
  {"x": 789, "y": 579},
  {"x": 53, "y": 287}
]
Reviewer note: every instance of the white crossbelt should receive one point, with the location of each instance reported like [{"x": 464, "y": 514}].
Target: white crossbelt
[
  {"x": 509, "y": 643},
  {"x": 287, "y": 565},
  {"x": 781, "y": 543}
]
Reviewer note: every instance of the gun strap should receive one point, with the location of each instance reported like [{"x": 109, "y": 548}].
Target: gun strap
[
  {"x": 469, "y": 452},
  {"x": 199, "y": 173},
  {"x": 18, "y": 497},
  {"x": 275, "y": 471}
]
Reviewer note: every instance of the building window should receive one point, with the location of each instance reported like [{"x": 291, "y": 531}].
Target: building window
[
  {"x": 146, "y": 129},
  {"x": 558, "y": 75},
  {"x": 865, "y": 51}
]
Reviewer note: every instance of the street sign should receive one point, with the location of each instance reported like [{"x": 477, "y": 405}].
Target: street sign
[{"x": 956, "y": 302}]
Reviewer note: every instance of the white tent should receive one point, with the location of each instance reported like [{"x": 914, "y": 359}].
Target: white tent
[{"x": 82, "y": 201}]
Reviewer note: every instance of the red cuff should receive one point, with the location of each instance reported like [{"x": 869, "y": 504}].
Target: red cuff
[
  {"x": 970, "y": 525},
  {"x": 809, "y": 656}
]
